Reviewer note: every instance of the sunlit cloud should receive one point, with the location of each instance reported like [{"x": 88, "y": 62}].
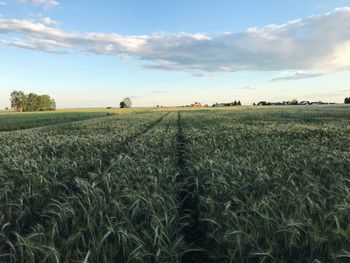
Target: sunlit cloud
[{"x": 307, "y": 47}]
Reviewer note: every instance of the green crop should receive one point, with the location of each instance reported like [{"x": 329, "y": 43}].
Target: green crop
[
  {"x": 20, "y": 121},
  {"x": 265, "y": 185},
  {"x": 274, "y": 185}
]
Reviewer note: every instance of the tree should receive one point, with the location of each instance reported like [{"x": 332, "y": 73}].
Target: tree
[
  {"x": 125, "y": 103},
  {"x": 122, "y": 105},
  {"x": 53, "y": 105},
  {"x": 239, "y": 103},
  {"x": 264, "y": 103},
  {"x": 293, "y": 102},
  {"x": 18, "y": 101},
  {"x": 46, "y": 103},
  {"x": 31, "y": 102},
  {"x": 347, "y": 100}
]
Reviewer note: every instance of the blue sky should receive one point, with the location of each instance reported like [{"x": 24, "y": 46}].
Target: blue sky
[{"x": 88, "y": 53}]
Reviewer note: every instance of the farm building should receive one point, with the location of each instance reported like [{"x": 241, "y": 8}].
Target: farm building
[{"x": 197, "y": 104}]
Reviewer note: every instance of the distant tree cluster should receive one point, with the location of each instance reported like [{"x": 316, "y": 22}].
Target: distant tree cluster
[
  {"x": 125, "y": 103},
  {"x": 293, "y": 102},
  {"x": 230, "y": 104},
  {"x": 263, "y": 103},
  {"x": 267, "y": 103},
  {"x": 347, "y": 100},
  {"x": 31, "y": 102}
]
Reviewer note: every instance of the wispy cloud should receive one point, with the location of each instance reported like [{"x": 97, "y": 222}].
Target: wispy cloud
[
  {"x": 299, "y": 75},
  {"x": 244, "y": 88},
  {"x": 48, "y": 4},
  {"x": 307, "y": 46}
]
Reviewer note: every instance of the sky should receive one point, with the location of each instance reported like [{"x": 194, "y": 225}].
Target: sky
[{"x": 89, "y": 53}]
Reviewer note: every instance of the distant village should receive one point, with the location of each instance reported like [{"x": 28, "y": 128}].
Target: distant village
[
  {"x": 260, "y": 103},
  {"x": 292, "y": 102},
  {"x": 224, "y": 104}
]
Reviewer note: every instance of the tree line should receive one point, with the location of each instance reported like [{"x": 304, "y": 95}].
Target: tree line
[
  {"x": 22, "y": 102},
  {"x": 229, "y": 104}
]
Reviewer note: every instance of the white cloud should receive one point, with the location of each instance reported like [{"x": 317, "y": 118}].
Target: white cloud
[
  {"x": 306, "y": 47},
  {"x": 48, "y": 21},
  {"x": 48, "y": 4}
]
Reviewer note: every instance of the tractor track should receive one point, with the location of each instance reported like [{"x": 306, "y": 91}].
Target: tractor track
[
  {"x": 123, "y": 146},
  {"x": 120, "y": 147},
  {"x": 194, "y": 231},
  {"x": 71, "y": 186}
]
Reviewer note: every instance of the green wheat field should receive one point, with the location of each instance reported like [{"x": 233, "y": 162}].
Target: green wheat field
[{"x": 236, "y": 185}]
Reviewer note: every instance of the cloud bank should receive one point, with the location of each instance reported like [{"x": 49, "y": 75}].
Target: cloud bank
[{"x": 307, "y": 47}]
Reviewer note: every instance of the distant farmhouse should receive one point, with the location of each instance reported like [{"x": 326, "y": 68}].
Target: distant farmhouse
[{"x": 195, "y": 105}]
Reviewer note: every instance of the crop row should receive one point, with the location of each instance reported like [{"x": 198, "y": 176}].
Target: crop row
[
  {"x": 17, "y": 121},
  {"x": 96, "y": 191},
  {"x": 208, "y": 186},
  {"x": 271, "y": 190}
]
